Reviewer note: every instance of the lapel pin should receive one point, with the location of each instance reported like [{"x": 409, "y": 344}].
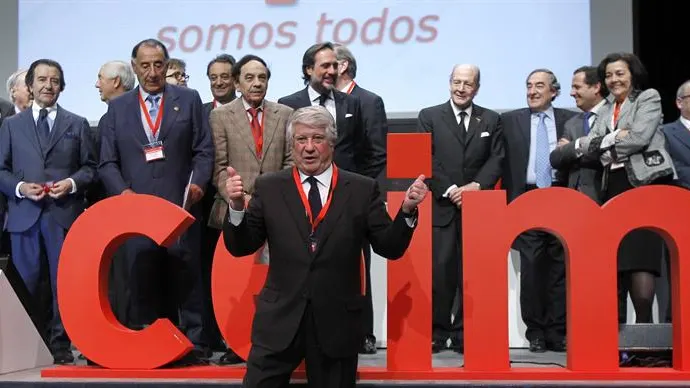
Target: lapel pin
[
  {"x": 176, "y": 108},
  {"x": 478, "y": 118}
]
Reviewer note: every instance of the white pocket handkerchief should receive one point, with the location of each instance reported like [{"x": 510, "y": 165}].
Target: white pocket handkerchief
[
  {"x": 485, "y": 134},
  {"x": 348, "y": 115}
]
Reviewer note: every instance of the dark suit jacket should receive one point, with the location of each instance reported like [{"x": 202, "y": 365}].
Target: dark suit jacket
[
  {"x": 678, "y": 145},
  {"x": 584, "y": 173},
  {"x": 330, "y": 278},
  {"x": 352, "y": 151},
  {"x": 516, "y": 132},
  {"x": 6, "y": 109},
  {"x": 187, "y": 145},
  {"x": 70, "y": 154},
  {"x": 376, "y": 128},
  {"x": 458, "y": 161}
]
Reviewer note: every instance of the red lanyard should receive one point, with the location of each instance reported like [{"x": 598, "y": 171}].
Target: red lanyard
[
  {"x": 305, "y": 201},
  {"x": 159, "y": 117},
  {"x": 352, "y": 86}
]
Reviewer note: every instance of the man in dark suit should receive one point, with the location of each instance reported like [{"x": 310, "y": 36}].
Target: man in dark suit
[
  {"x": 219, "y": 73},
  {"x": 376, "y": 125},
  {"x": 46, "y": 161},
  {"x": 6, "y": 110},
  {"x": 530, "y": 135},
  {"x": 467, "y": 154},
  {"x": 583, "y": 174},
  {"x": 311, "y": 304},
  {"x": 677, "y": 136},
  {"x": 353, "y": 150},
  {"x": 156, "y": 141}
]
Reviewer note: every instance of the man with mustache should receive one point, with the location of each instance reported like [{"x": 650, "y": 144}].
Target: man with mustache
[
  {"x": 155, "y": 140},
  {"x": 531, "y": 134},
  {"x": 46, "y": 162},
  {"x": 353, "y": 149}
]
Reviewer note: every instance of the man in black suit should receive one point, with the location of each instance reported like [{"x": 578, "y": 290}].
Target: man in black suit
[
  {"x": 311, "y": 304},
  {"x": 583, "y": 174},
  {"x": 530, "y": 135},
  {"x": 353, "y": 150},
  {"x": 467, "y": 153},
  {"x": 219, "y": 73},
  {"x": 376, "y": 125}
]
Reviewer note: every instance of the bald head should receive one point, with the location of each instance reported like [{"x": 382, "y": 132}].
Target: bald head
[{"x": 464, "y": 84}]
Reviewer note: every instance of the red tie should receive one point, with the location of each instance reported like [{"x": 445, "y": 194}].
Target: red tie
[{"x": 257, "y": 131}]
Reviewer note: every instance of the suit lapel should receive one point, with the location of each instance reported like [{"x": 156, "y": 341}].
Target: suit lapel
[
  {"x": 475, "y": 123},
  {"x": 340, "y": 111},
  {"x": 270, "y": 125},
  {"x": 293, "y": 202},
  {"x": 525, "y": 127},
  {"x": 32, "y": 134},
  {"x": 304, "y": 98},
  {"x": 60, "y": 126},
  {"x": 136, "y": 125},
  {"x": 243, "y": 126},
  {"x": 171, "y": 108},
  {"x": 625, "y": 109},
  {"x": 451, "y": 123},
  {"x": 681, "y": 133},
  {"x": 341, "y": 194}
]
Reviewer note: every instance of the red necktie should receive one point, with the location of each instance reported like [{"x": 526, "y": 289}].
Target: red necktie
[{"x": 257, "y": 131}]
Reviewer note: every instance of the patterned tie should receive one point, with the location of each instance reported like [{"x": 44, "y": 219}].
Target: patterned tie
[
  {"x": 314, "y": 198},
  {"x": 153, "y": 110},
  {"x": 542, "y": 164},
  {"x": 257, "y": 131},
  {"x": 585, "y": 123},
  {"x": 43, "y": 126}
]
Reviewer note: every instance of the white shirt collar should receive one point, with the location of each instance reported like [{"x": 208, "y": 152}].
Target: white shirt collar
[
  {"x": 324, "y": 178},
  {"x": 597, "y": 107},
  {"x": 16, "y": 109},
  {"x": 314, "y": 95},
  {"x": 347, "y": 87},
  {"x": 247, "y": 106},
  {"x": 685, "y": 122},
  {"x": 36, "y": 109},
  {"x": 457, "y": 110},
  {"x": 145, "y": 94}
]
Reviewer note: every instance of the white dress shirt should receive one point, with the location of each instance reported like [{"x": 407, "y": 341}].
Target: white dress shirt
[
  {"x": 52, "y": 113},
  {"x": 466, "y": 122},
  {"x": 144, "y": 122},
  {"x": 329, "y": 104},
  {"x": 550, "y": 122},
  {"x": 685, "y": 122}
]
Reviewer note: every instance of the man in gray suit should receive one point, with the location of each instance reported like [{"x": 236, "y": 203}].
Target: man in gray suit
[{"x": 584, "y": 174}]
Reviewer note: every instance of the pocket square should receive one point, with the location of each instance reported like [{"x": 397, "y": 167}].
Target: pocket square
[
  {"x": 485, "y": 134},
  {"x": 348, "y": 115},
  {"x": 71, "y": 135}
]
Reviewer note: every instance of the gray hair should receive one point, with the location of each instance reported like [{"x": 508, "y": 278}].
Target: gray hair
[
  {"x": 120, "y": 69},
  {"x": 315, "y": 117},
  {"x": 475, "y": 68},
  {"x": 343, "y": 53},
  {"x": 552, "y": 78},
  {"x": 681, "y": 88},
  {"x": 12, "y": 81}
]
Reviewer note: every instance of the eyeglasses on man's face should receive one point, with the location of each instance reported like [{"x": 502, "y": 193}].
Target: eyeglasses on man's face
[{"x": 179, "y": 76}]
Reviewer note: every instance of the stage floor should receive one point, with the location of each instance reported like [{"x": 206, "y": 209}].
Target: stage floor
[{"x": 519, "y": 358}]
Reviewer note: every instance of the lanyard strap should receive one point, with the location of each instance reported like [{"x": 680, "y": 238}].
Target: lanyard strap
[
  {"x": 305, "y": 201},
  {"x": 153, "y": 128}
]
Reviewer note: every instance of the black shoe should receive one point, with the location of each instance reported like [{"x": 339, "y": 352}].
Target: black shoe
[
  {"x": 63, "y": 357},
  {"x": 368, "y": 345},
  {"x": 537, "y": 345},
  {"x": 230, "y": 358},
  {"x": 457, "y": 347},
  {"x": 193, "y": 358},
  {"x": 556, "y": 346},
  {"x": 438, "y": 346}
]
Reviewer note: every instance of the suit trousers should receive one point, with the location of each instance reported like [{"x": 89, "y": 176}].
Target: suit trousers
[
  {"x": 542, "y": 285},
  {"x": 269, "y": 369},
  {"x": 45, "y": 237},
  {"x": 165, "y": 283},
  {"x": 368, "y": 311},
  {"x": 446, "y": 283}
]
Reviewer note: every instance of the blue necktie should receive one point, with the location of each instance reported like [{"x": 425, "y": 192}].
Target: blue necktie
[
  {"x": 43, "y": 127},
  {"x": 585, "y": 124},
  {"x": 541, "y": 161},
  {"x": 153, "y": 110}
]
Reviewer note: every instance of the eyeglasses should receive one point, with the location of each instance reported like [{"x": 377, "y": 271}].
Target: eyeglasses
[
  {"x": 179, "y": 76},
  {"x": 684, "y": 97}
]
